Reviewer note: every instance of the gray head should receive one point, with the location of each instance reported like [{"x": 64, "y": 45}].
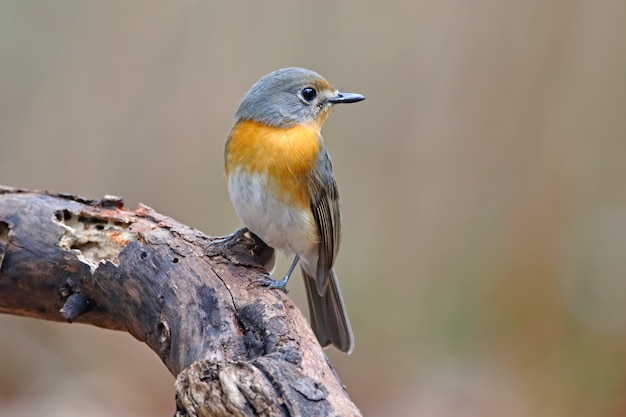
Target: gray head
[{"x": 291, "y": 96}]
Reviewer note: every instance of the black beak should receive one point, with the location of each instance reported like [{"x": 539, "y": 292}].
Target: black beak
[{"x": 346, "y": 98}]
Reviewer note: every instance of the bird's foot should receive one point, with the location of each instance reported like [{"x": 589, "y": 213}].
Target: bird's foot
[{"x": 272, "y": 284}]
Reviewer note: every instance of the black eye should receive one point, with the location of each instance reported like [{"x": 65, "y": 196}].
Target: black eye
[{"x": 308, "y": 93}]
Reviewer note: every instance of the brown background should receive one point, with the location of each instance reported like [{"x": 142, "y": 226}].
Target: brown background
[{"x": 483, "y": 184}]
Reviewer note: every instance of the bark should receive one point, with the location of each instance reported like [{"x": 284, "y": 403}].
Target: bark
[{"x": 234, "y": 347}]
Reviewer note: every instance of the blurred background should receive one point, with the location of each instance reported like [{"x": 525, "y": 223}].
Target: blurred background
[{"x": 483, "y": 186}]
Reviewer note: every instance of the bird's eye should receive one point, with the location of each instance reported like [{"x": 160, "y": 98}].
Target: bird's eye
[{"x": 308, "y": 94}]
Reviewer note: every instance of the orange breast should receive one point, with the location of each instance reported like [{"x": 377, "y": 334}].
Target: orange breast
[{"x": 286, "y": 156}]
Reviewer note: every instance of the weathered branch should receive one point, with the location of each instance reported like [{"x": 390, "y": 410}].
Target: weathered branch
[{"x": 236, "y": 349}]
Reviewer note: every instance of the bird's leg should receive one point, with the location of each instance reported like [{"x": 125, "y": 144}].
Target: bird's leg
[{"x": 282, "y": 284}]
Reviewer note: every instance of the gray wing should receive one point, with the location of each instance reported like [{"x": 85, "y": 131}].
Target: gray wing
[{"x": 325, "y": 208}]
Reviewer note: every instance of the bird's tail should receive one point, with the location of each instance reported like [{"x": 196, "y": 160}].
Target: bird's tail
[{"x": 329, "y": 320}]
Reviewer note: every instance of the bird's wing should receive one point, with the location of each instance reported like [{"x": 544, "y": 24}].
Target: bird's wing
[{"x": 325, "y": 208}]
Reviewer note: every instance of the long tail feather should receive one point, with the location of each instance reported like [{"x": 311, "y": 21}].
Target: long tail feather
[{"x": 329, "y": 320}]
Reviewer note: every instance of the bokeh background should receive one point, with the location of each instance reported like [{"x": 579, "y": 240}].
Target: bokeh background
[{"x": 483, "y": 186}]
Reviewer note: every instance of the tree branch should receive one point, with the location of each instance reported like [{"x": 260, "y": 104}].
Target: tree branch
[{"x": 236, "y": 349}]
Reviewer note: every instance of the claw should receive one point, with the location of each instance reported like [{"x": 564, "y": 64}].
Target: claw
[{"x": 272, "y": 283}]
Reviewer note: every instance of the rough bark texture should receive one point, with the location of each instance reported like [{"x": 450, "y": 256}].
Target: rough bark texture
[{"x": 236, "y": 348}]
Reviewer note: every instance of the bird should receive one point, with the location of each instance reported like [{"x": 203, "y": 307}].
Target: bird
[{"x": 281, "y": 185}]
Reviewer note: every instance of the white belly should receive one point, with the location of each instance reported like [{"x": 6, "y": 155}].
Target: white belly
[{"x": 280, "y": 226}]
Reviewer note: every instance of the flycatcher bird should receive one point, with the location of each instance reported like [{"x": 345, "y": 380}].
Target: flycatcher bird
[{"x": 282, "y": 186}]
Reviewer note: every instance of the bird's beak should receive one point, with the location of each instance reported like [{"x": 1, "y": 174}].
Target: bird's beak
[{"x": 346, "y": 98}]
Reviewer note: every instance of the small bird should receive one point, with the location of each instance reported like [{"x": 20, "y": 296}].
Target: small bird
[{"x": 282, "y": 186}]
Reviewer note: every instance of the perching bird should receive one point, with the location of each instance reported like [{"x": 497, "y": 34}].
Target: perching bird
[{"x": 282, "y": 187}]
